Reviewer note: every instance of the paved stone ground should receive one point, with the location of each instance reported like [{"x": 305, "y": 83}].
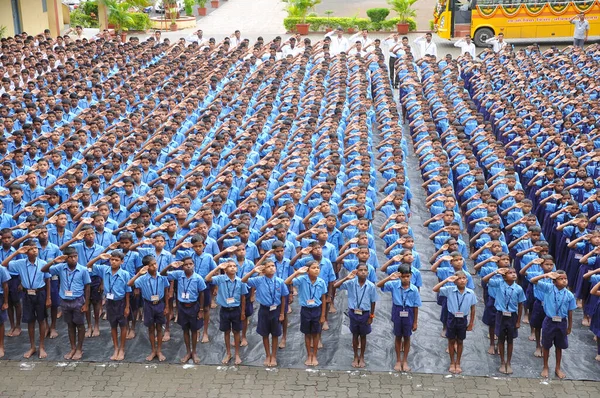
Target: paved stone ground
[{"x": 76, "y": 380}]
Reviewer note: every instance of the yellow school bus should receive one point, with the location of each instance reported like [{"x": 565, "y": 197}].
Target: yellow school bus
[{"x": 517, "y": 19}]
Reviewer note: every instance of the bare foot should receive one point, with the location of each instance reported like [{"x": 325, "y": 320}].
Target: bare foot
[
  {"x": 443, "y": 334},
  {"x": 69, "y": 355},
  {"x": 332, "y": 309},
  {"x": 59, "y": 315},
  {"x": 186, "y": 358},
  {"x": 355, "y": 363},
  {"x": 29, "y": 353},
  {"x": 509, "y": 370},
  {"x": 43, "y": 354},
  {"x": 315, "y": 362},
  {"x": 121, "y": 355},
  {"x": 320, "y": 345},
  {"x": 10, "y": 332},
  {"x": 130, "y": 334},
  {"x": 213, "y": 305},
  {"x": 195, "y": 358},
  {"x": 267, "y": 362},
  {"x": 405, "y": 367},
  {"x": 457, "y": 369},
  {"x": 244, "y": 342},
  {"x": 579, "y": 303},
  {"x": 238, "y": 360},
  {"x": 88, "y": 332},
  {"x": 273, "y": 362},
  {"x": 114, "y": 355},
  {"x": 538, "y": 353},
  {"x": 96, "y": 332},
  {"x": 151, "y": 356},
  {"x": 598, "y": 357},
  {"x": 398, "y": 367},
  {"x": 585, "y": 321},
  {"x": 325, "y": 326},
  {"x": 452, "y": 368},
  {"x": 282, "y": 343},
  {"x": 526, "y": 319},
  {"x": 53, "y": 333},
  {"x": 308, "y": 362},
  {"x": 532, "y": 337},
  {"x": 560, "y": 374},
  {"x": 161, "y": 357},
  {"x": 205, "y": 338},
  {"x": 502, "y": 368},
  {"x": 78, "y": 355},
  {"x": 544, "y": 373},
  {"x": 226, "y": 359},
  {"x": 167, "y": 336},
  {"x": 492, "y": 350}
]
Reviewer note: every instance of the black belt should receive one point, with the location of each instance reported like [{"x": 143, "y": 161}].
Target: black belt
[
  {"x": 230, "y": 308},
  {"x": 188, "y": 305}
]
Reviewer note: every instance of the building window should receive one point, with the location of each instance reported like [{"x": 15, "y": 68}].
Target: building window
[{"x": 45, "y": 5}]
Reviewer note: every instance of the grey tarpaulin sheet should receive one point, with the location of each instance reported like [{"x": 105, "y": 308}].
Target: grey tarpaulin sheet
[{"x": 428, "y": 347}]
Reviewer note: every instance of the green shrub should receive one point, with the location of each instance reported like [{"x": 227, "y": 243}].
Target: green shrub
[
  {"x": 375, "y": 26},
  {"x": 141, "y": 21},
  {"x": 378, "y": 14},
  {"x": 188, "y": 6},
  {"x": 79, "y": 18},
  {"x": 345, "y": 23},
  {"x": 89, "y": 8},
  {"x": 431, "y": 25}
]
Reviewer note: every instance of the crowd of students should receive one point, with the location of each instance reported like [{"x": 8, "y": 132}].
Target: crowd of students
[{"x": 164, "y": 182}]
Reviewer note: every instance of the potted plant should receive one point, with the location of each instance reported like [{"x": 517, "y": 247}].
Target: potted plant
[
  {"x": 188, "y": 7},
  {"x": 405, "y": 11},
  {"x": 119, "y": 16},
  {"x": 214, "y": 3},
  {"x": 328, "y": 27},
  {"x": 201, "y": 7},
  {"x": 352, "y": 24},
  {"x": 299, "y": 9}
]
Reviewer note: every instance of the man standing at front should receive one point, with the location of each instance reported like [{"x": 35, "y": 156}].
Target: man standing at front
[
  {"x": 582, "y": 28},
  {"x": 426, "y": 46}
]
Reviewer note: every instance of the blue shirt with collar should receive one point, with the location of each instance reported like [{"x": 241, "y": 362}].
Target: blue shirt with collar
[
  {"x": 114, "y": 283},
  {"x": 458, "y": 302},
  {"x": 557, "y": 302},
  {"x": 307, "y": 290},
  {"x": 508, "y": 297},
  {"x": 31, "y": 274},
  {"x": 49, "y": 252},
  {"x": 86, "y": 254},
  {"x": 55, "y": 238},
  {"x": 269, "y": 291},
  {"x": 360, "y": 297},
  {"x": 151, "y": 286},
  {"x": 229, "y": 289},
  {"x": 405, "y": 298},
  {"x": 162, "y": 260},
  {"x": 188, "y": 289},
  {"x": 71, "y": 280},
  {"x": 203, "y": 263},
  {"x": 4, "y": 277}
]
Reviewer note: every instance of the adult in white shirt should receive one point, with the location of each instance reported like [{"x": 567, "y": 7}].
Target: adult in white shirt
[
  {"x": 426, "y": 46},
  {"x": 196, "y": 36},
  {"x": 290, "y": 48},
  {"x": 466, "y": 46},
  {"x": 582, "y": 28},
  {"x": 363, "y": 36},
  {"x": 79, "y": 34},
  {"x": 357, "y": 48},
  {"x": 394, "y": 47},
  {"x": 236, "y": 39},
  {"x": 338, "y": 42},
  {"x": 497, "y": 42}
]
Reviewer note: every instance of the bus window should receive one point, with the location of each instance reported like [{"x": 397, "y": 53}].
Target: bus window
[{"x": 462, "y": 11}]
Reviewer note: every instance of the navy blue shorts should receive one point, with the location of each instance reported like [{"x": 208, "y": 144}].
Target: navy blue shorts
[
  {"x": 310, "y": 320},
  {"x": 249, "y": 306},
  {"x": 456, "y": 328},
  {"x": 154, "y": 314},
  {"x": 34, "y": 307},
  {"x": 115, "y": 313},
  {"x": 402, "y": 324},
  {"x": 268, "y": 321},
  {"x": 3, "y": 314},
  {"x": 207, "y": 295},
  {"x": 358, "y": 323},
  {"x": 489, "y": 314},
  {"x": 14, "y": 295},
  {"x": 230, "y": 318},
  {"x": 95, "y": 294},
  {"x": 187, "y": 316},
  {"x": 537, "y": 316},
  {"x": 506, "y": 326},
  {"x": 54, "y": 290},
  {"x": 71, "y": 310},
  {"x": 554, "y": 333}
]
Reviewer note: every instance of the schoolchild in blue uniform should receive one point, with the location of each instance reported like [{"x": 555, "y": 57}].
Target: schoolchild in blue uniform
[
  {"x": 405, "y": 311},
  {"x": 362, "y": 296},
  {"x": 509, "y": 308},
  {"x": 595, "y": 319},
  {"x": 231, "y": 296},
  {"x": 4, "y": 278},
  {"x": 460, "y": 301},
  {"x": 312, "y": 291},
  {"x": 36, "y": 291},
  {"x": 74, "y": 292},
  {"x": 272, "y": 294},
  {"x": 190, "y": 303},
  {"x": 559, "y": 304},
  {"x": 154, "y": 289}
]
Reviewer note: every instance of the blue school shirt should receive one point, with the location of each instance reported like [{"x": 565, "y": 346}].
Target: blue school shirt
[
  {"x": 360, "y": 297},
  {"x": 203, "y": 263},
  {"x": 116, "y": 283},
  {"x": 310, "y": 291},
  {"x": 86, "y": 254},
  {"x": 351, "y": 264},
  {"x": 4, "y": 277},
  {"x": 507, "y": 296},
  {"x": 50, "y": 252},
  {"x": 458, "y": 302},
  {"x": 58, "y": 240},
  {"x": 327, "y": 273},
  {"x": 557, "y": 302},
  {"x": 73, "y": 281},
  {"x": 131, "y": 262},
  {"x": 188, "y": 289},
  {"x": 269, "y": 291},
  {"x": 405, "y": 298},
  {"x": 415, "y": 278},
  {"x": 31, "y": 275},
  {"x": 162, "y": 260},
  {"x": 151, "y": 286},
  {"x": 229, "y": 289}
]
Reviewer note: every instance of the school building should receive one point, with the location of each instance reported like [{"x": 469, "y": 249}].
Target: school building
[{"x": 32, "y": 16}]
